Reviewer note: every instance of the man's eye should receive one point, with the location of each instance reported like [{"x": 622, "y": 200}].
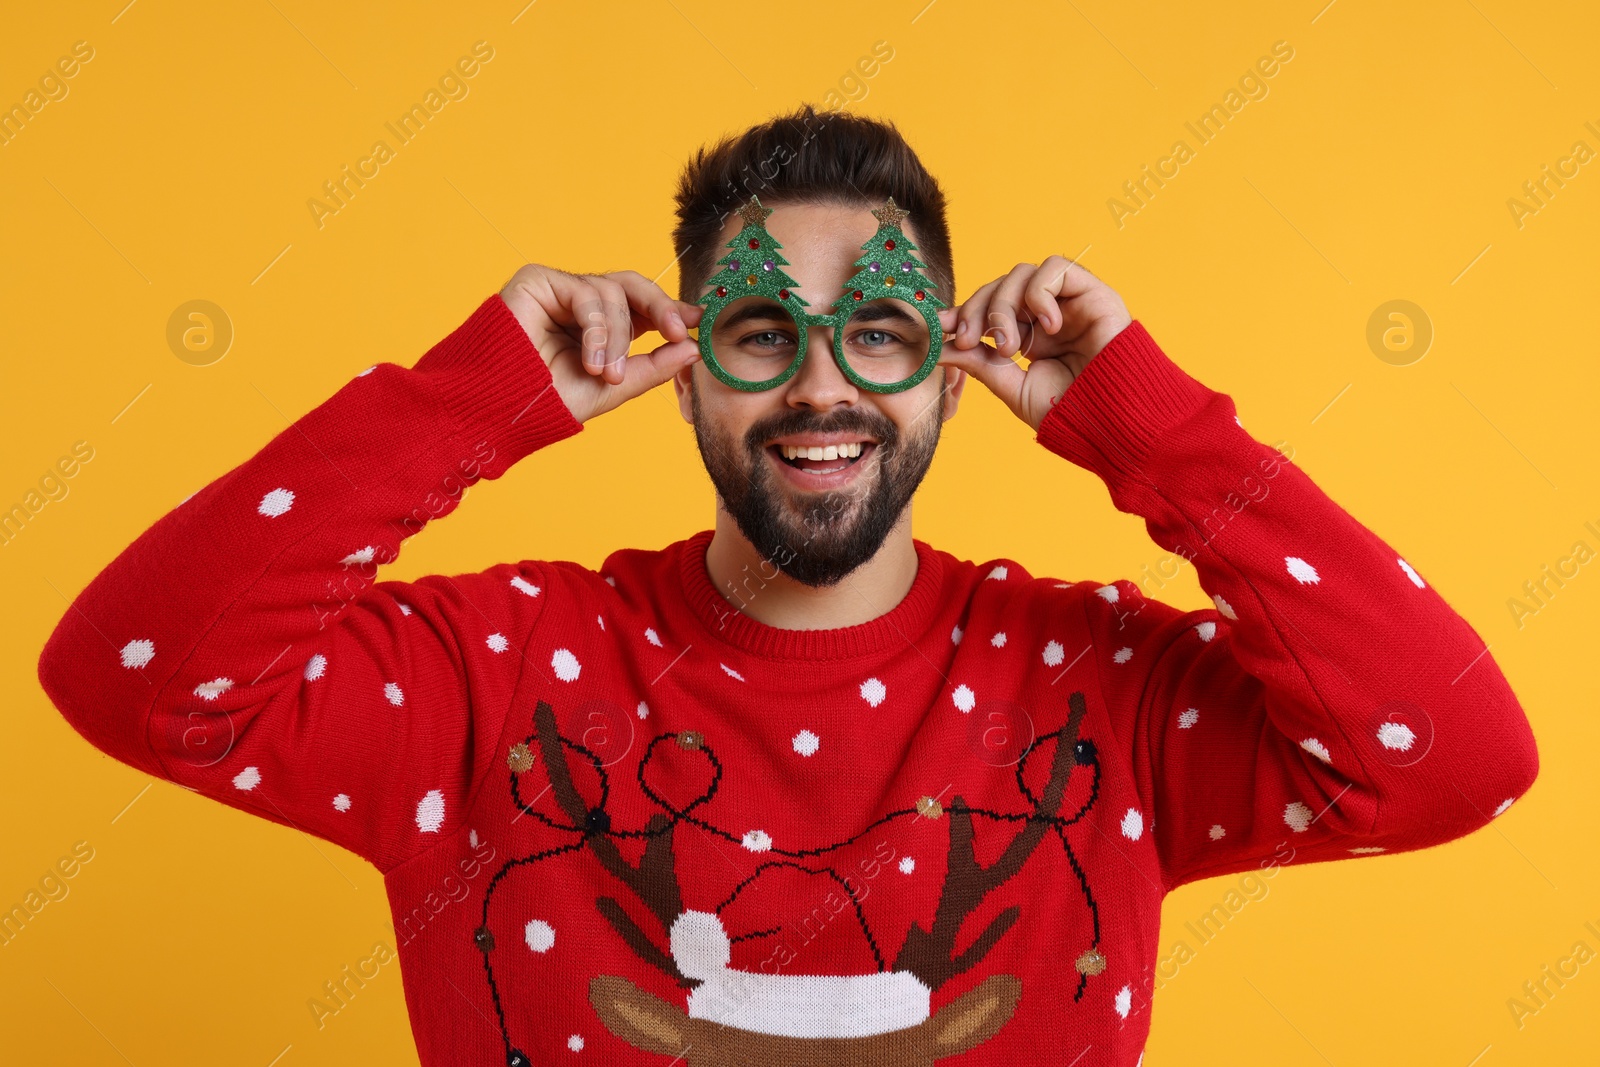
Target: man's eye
[
  {"x": 767, "y": 339},
  {"x": 875, "y": 338}
]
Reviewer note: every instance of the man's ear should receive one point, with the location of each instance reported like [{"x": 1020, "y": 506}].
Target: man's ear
[
  {"x": 955, "y": 379},
  {"x": 683, "y": 384}
]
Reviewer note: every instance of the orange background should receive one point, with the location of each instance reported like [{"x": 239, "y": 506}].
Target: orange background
[{"x": 1378, "y": 166}]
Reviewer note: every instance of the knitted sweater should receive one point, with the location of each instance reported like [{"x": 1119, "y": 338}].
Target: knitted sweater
[{"x": 622, "y": 821}]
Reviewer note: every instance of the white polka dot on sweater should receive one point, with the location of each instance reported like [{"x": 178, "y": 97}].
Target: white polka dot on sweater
[
  {"x": 565, "y": 664},
  {"x": 497, "y": 642},
  {"x": 731, "y": 672},
  {"x": 805, "y": 742},
  {"x": 213, "y": 689},
  {"x": 1416, "y": 579},
  {"x": 873, "y": 691},
  {"x": 612, "y": 582},
  {"x": 360, "y": 555},
  {"x": 521, "y": 584},
  {"x": 430, "y": 812},
  {"x": 998, "y": 640},
  {"x": 1217, "y": 832},
  {"x": 757, "y": 841},
  {"x": 1396, "y": 735},
  {"x": 276, "y": 503},
  {"x": 1054, "y": 653},
  {"x": 1133, "y": 824},
  {"x": 341, "y": 802},
  {"x": 955, "y": 635},
  {"x": 1505, "y": 806},
  {"x": 907, "y": 864},
  {"x": 1317, "y": 749},
  {"x": 316, "y": 667},
  {"x": 1224, "y": 608},
  {"x": 1297, "y": 816},
  {"x": 1122, "y": 655},
  {"x": 1124, "y": 1001},
  {"x": 1367, "y": 850},
  {"x": 651, "y": 636},
  {"x": 247, "y": 779},
  {"x": 1207, "y": 630},
  {"x": 999, "y": 572},
  {"x": 575, "y": 1042},
  {"x": 601, "y": 621},
  {"x": 472, "y": 838},
  {"x": 539, "y": 935},
  {"x": 1188, "y": 717},
  {"x": 138, "y": 653},
  {"x": 392, "y": 693},
  {"x": 1300, "y": 570},
  {"x": 405, "y": 609},
  {"x": 964, "y": 697},
  {"x": 1109, "y": 593},
  {"x": 643, "y": 709},
  {"x": 368, "y": 371}
]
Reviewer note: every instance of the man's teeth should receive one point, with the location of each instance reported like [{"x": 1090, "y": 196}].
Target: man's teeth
[{"x": 846, "y": 451}]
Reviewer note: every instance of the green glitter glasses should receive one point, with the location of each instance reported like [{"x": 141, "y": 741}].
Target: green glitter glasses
[{"x": 886, "y": 332}]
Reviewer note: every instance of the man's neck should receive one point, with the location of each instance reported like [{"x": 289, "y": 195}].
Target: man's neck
[{"x": 753, "y": 584}]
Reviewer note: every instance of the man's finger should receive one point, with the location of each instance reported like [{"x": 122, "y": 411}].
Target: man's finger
[
  {"x": 1001, "y": 319},
  {"x": 647, "y": 370},
  {"x": 652, "y": 308},
  {"x": 580, "y": 304},
  {"x": 999, "y": 374}
]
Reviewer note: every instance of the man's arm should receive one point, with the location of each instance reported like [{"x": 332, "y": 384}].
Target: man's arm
[
  {"x": 240, "y": 646},
  {"x": 1331, "y": 700}
]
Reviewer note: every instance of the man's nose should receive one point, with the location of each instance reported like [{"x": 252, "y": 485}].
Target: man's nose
[{"x": 819, "y": 382}]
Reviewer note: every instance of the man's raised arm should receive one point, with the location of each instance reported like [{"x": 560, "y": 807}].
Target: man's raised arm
[
  {"x": 1331, "y": 700},
  {"x": 240, "y": 647}
]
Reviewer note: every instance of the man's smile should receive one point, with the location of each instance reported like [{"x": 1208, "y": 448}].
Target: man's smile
[{"x": 817, "y": 462}]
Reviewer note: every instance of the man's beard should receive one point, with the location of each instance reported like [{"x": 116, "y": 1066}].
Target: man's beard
[{"x": 835, "y": 531}]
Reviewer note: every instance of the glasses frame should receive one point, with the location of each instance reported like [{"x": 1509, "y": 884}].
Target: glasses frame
[{"x": 725, "y": 289}]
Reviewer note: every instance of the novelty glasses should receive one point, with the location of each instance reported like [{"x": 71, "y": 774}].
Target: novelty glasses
[{"x": 886, "y": 332}]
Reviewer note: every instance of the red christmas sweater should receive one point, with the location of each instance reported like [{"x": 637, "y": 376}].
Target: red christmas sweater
[{"x": 620, "y": 821}]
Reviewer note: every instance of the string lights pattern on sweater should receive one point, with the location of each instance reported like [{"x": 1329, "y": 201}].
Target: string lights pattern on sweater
[{"x": 940, "y": 835}]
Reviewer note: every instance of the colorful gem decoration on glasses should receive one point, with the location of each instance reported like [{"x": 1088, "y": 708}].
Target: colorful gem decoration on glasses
[{"x": 887, "y": 297}]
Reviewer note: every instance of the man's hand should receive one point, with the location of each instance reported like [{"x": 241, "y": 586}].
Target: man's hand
[
  {"x": 1056, "y": 315},
  {"x": 582, "y": 325}
]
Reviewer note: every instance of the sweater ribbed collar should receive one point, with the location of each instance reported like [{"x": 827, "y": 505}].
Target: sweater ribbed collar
[{"x": 897, "y": 628}]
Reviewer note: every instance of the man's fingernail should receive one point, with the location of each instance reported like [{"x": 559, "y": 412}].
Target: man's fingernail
[{"x": 999, "y": 337}]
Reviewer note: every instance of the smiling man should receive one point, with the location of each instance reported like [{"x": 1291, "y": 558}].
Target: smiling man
[{"x": 798, "y": 787}]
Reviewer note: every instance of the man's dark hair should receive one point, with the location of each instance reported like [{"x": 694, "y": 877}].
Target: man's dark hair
[{"x": 807, "y": 157}]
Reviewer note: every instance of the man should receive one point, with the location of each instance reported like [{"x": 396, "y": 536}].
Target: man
[{"x": 799, "y": 788}]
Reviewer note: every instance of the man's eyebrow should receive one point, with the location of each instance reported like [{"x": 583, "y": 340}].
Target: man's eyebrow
[
  {"x": 886, "y": 309},
  {"x": 883, "y": 310},
  {"x": 754, "y": 311}
]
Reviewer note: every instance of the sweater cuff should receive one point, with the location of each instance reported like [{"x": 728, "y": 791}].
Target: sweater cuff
[
  {"x": 1112, "y": 415},
  {"x": 497, "y": 386}
]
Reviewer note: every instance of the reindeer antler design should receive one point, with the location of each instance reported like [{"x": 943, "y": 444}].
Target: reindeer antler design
[
  {"x": 928, "y": 953},
  {"x": 654, "y": 881}
]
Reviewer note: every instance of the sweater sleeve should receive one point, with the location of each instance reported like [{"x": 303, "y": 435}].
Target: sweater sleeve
[
  {"x": 1331, "y": 703},
  {"x": 242, "y": 647}
]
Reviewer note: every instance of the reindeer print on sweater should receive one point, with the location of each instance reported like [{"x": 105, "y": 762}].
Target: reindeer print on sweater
[{"x": 770, "y": 1016}]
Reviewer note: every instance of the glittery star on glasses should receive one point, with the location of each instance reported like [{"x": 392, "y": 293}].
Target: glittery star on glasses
[
  {"x": 753, "y": 213},
  {"x": 889, "y": 214}
]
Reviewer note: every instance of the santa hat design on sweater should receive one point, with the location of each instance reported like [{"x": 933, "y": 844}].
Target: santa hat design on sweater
[{"x": 737, "y": 1015}]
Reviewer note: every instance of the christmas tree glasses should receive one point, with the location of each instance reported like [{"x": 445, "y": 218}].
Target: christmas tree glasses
[{"x": 886, "y": 332}]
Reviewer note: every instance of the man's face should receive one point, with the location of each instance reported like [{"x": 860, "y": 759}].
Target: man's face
[{"x": 817, "y": 521}]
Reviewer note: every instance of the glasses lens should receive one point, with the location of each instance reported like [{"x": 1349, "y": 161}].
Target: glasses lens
[
  {"x": 754, "y": 338},
  {"x": 886, "y": 340}
]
